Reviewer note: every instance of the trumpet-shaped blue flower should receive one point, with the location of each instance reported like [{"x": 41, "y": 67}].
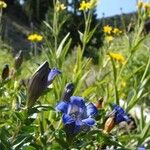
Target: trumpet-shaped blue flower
[
  {"x": 76, "y": 115},
  {"x": 52, "y": 74},
  {"x": 141, "y": 148},
  {"x": 119, "y": 113}
]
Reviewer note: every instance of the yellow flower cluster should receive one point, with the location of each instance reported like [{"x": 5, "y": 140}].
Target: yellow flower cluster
[
  {"x": 142, "y": 6},
  {"x": 35, "y": 38},
  {"x": 118, "y": 57},
  {"x": 107, "y": 29},
  {"x": 60, "y": 6},
  {"x": 2, "y": 4},
  {"x": 87, "y": 5},
  {"x": 116, "y": 31},
  {"x": 110, "y": 32}
]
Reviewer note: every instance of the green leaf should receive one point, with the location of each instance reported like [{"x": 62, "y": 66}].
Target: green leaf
[
  {"x": 90, "y": 34},
  {"x": 145, "y": 132},
  {"x": 48, "y": 25},
  {"x": 80, "y": 35},
  {"x": 62, "y": 143},
  {"x": 29, "y": 148},
  {"x": 60, "y": 48},
  {"x": 88, "y": 91}
]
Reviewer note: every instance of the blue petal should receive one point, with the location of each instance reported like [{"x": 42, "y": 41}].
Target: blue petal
[
  {"x": 118, "y": 109},
  {"x": 121, "y": 117},
  {"x": 89, "y": 121},
  {"x": 141, "y": 148},
  {"x": 72, "y": 128},
  {"x": 67, "y": 119},
  {"x": 126, "y": 118},
  {"x": 78, "y": 101},
  {"x": 120, "y": 114},
  {"x": 62, "y": 106},
  {"x": 52, "y": 73},
  {"x": 91, "y": 109}
]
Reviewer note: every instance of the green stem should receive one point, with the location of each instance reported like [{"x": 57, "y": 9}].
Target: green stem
[
  {"x": 1, "y": 11},
  {"x": 122, "y": 68},
  {"x": 51, "y": 138},
  {"x": 35, "y": 48},
  {"x": 55, "y": 28},
  {"x": 115, "y": 82},
  {"x": 87, "y": 18},
  {"x": 146, "y": 70}
]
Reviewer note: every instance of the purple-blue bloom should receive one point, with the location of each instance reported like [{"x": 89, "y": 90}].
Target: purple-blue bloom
[
  {"x": 120, "y": 114},
  {"x": 52, "y": 74},
  {"x": 76, "y": 115},
  {"x": 141, "y": 148}
]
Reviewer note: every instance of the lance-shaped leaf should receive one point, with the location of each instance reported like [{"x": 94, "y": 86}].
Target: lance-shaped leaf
[{"x": 18, "y": 60}]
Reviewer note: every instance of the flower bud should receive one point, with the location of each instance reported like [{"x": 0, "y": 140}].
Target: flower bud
[
  {"x": 69, "y": 89},
  {"x": 40, "y": 80},
  {"x": 99, "y": 103},
  {"x": 140, "y": 5},
  {"x": 5, "y": 72},
  {"x": 37, "y": 84}
]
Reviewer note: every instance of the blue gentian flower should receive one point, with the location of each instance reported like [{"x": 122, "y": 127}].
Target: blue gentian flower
[
  {"x": 141, "y": 148},
  {"x": 119, "y": 113},
  {"x": 52, "y": 74},
  {"x": 76, "y": 115}
]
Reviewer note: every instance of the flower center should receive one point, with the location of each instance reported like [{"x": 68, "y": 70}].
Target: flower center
[{"x": 76, "y": 112}]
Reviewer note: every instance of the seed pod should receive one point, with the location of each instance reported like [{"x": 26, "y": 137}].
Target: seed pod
[
  {"x": 5, "y": 72},
  {"x": 99, "y": 103},
  {"x": 18, "y": 60},
  {"x": 109, "y": 125},
  {"x": 69, "y": 89},
  {"x": 37, "y": 83}
]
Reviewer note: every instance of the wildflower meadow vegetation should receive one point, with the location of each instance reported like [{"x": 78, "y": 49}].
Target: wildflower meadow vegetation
[{"x": 56, "y": 97}]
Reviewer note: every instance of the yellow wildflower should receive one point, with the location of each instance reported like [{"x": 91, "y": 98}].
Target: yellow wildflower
[
  {"x": 3, "y": 4},
  {"x": 118, "y": 57},
  {"x": 35, "y": 38},
  {"x": 107, "y": 29},
  {"x": 140, "y": 5},
  {"x": 109, "y": 38},
  {"x": 60, "y": 7},
  {"x": 85, "y": 5},
  {"x": 116, "y": 31},
  {"x": 146, "y": 6}
]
